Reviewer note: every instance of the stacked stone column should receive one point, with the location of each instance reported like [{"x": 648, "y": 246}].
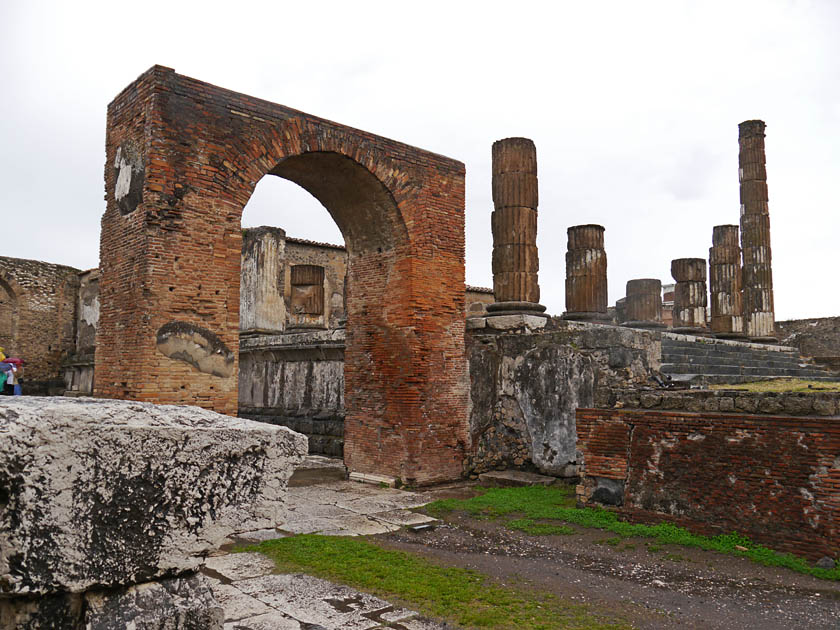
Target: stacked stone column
[
  {"x": 758, "y": 311},
  {"x": 725, "y": 282},
  {"x": 586, "y": 274},
  {"x": 514, "y": 222},
  {"x": 689, "y": 295},
  {"x": 643, "y": 308}
]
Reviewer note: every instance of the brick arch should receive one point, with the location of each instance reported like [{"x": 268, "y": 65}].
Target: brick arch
[{"x": 183, "y": 158}]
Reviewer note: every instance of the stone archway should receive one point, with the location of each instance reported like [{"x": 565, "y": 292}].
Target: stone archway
[{"x": 183, "y": 158}]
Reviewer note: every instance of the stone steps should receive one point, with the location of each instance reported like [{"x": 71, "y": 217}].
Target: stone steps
[{"x": 699, "y": 360}]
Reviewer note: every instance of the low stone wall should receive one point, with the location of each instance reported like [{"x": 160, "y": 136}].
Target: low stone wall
[
  {"x": 773, "y": 478},
  {"x": 296, "y": 380},
  {"x": 110, "y": 507},
  {"x": 529, "y": 374},
  {"x": 814, "y": 403}
]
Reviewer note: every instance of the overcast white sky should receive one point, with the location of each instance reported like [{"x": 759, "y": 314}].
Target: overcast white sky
[{"x": 633, "y": 106}]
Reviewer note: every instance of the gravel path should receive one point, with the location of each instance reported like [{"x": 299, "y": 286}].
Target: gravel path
[{"x": 666, "y": 588}]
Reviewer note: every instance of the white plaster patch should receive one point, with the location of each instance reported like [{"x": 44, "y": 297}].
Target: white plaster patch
[{"x": 123, "y": 184}]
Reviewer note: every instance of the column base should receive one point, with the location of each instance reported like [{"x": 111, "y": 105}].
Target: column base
[
  {"x": 644, "y": 324},
  {"x": 587, "y": 316},
  {"x": 767, "y": 340},
  {"x": 516, "y": 308}
]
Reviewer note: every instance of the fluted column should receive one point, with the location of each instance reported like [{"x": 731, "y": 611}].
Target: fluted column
[
  {"x": 689, "y": 295},
  {"x": 586, "y": 274},
  {"x": 643, "y": 308},
  {"x": 725, "y": 282},
  {"x": 514, "y": 224},
  {"x": 758, "y": 310}
]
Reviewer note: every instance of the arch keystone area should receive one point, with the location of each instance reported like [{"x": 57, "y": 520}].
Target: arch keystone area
[{"x": 182, "y": 160}]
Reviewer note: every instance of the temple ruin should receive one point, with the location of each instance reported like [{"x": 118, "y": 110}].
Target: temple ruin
[{"x": 376, "y": 349}]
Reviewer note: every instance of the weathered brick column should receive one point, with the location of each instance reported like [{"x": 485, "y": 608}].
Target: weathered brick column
[
  {"x": 586, "y": 274},
  {"x": 514, "y": 222},
  {"x": 759, "y": 318},
  {"x": 725, "y": 282},
  {"x": 644, "y": 303},
  {"x": 689, "y": 295}
]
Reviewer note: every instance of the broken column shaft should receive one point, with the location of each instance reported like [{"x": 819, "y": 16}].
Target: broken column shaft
[
  {"x": 689, "y": 295},
  {"x": 514, "y": 223},
  {"x": 725, "y": 282},
  {"x": 644, "y": 303},
  {"x": 758, "y": 311},
  {"x": 586, "y": 274}
]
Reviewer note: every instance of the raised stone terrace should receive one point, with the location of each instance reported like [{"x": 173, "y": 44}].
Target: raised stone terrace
[{"x": 707, "y": 361}]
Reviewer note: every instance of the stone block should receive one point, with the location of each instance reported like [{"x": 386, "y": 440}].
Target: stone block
[
  {"x": 172, "y": 604},
  {"x": 107, "y": 493}
]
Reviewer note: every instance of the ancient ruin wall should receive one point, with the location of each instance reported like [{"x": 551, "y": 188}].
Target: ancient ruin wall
[
  {"x": 296, "y": 380},
  {"x": 773, "y": 478},
  {"x": 182, "y": 160},
  {"x": 529, "y": 375},
  {"x": 818, "y": 337},
  {"x": 37, "y": 312}
]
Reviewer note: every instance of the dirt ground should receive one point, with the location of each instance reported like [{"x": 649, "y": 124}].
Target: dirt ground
[{"x": 665, "y": 587}]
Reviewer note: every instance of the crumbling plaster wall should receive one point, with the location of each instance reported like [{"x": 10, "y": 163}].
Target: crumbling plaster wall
[
  {"x": 39, "y": 311},
  {"x": 529, "y": 375},
  {"x": 296, "y": 380}
]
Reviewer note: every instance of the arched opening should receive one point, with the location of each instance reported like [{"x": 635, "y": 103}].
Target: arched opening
[
  {"x": 8, "y": 317},
  {"x": 293, "y": 290}
]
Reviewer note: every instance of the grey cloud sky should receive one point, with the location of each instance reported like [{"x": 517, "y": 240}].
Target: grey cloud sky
[{"x": 633, "y": 106}]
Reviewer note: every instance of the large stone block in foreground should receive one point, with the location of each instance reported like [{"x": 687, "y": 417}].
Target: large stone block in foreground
[{"x": 100, "y": 493}]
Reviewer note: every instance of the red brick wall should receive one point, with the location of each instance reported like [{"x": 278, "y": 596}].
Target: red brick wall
[
  {"x": 774, "y": 478},
  {"x": 174, "y": 256}
]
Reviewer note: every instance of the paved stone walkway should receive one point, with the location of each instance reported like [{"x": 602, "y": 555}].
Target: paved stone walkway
[{"x": 255, "y": 598}]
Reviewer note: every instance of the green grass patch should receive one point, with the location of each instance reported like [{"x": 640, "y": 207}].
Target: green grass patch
[
  {"x": 556, "y": 503},
  {"x": 464, "y": 597},
  {"x": 781, "y": 385}
]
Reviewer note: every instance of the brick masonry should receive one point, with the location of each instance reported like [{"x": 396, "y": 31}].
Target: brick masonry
[
  {"x": 37, "y": 310},
  {"x": 182, "y": 159},
  {"x": 773, "y": 478}
]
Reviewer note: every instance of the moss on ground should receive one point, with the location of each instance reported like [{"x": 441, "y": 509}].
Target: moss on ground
[
  {"x": 466, "y": 598},
  {"x": 543, "y": 507}
]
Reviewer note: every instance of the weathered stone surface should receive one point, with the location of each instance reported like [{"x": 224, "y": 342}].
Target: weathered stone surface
[
  {"x": 314, "y": 601},
  {"x": 524, "y": 401},
  {"x": 113, "y": 492},
  {"x": 296, "y": 380},
  {"x": 239, "y": 566},
  {"x": 53, "y": 612},
  {"x": 526, "y": 385},
  {"x": 184, "y": 603}
]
